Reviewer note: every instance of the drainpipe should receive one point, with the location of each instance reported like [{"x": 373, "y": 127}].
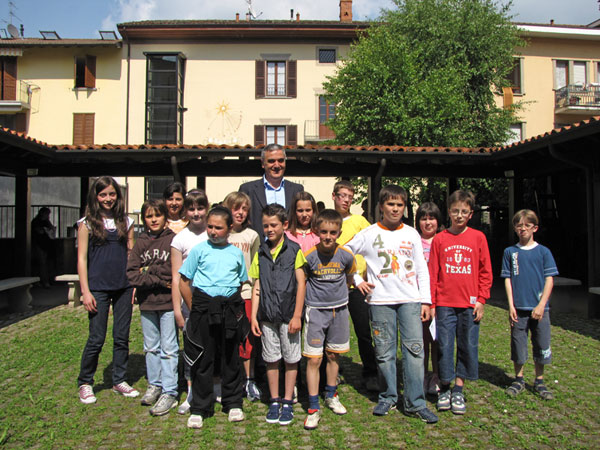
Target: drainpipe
[
  {"x": 589, "y": 204},
  {"x": 127, "y": 110},
  {"x": 175, "y": 169}
]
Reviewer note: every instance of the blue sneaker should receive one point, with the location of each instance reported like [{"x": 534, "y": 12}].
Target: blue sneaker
[
  {"x": 383, "y": 408},
  {"x": 287, "y": 414},
  {"x": 273, "y": 413},
  {"x": 424, "y": 414}
]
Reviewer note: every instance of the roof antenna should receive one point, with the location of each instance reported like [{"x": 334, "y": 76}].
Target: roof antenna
[
  {"x": 12, "y": 30},
  {"x": 251, "y": 10}
]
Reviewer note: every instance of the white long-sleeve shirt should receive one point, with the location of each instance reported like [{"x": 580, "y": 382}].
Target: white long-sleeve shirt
[{"x": 395, "y": 264}]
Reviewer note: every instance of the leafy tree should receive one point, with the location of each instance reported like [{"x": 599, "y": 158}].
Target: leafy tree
[{"x": 425, "y": 74}]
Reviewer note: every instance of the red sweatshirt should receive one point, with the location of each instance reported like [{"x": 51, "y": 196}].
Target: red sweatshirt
[{"x": 460, "y": 269}]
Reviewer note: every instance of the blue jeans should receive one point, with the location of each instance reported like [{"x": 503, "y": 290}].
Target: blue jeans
[
  {"x": 161, "y": 348},
  {"x": 459, "y": 323},
  {"x": 122, "y": 307},
  {"x": 386, "y": 320}
]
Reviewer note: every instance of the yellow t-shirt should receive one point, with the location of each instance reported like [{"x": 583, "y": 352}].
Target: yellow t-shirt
[{"x": 350, "y": 226}]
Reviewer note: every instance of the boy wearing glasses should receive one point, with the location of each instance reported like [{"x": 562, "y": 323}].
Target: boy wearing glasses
[
  {"x": 527, "y": 269},
  {"x": 461, "y": 278},
  {"x": 343, "y": 194}
]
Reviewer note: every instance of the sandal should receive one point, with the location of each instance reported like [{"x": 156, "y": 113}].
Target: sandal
[
  {"x": 516, "y": 388},
  {"x": 543, "y": 391}
]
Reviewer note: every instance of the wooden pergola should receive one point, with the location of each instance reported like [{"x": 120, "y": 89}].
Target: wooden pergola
[{"x": 571, "y": 152}]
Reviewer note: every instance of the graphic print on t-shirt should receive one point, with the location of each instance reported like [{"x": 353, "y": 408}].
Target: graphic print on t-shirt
[
  {"x": 392, "y": 257},
  {"x": 459, "y": 259}
]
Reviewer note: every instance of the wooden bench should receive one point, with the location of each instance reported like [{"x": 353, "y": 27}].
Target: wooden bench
[
  {"x": 14, "y": 292},
  {"x": 568, "y": 295},
  {"x": 74, "y": 294}
]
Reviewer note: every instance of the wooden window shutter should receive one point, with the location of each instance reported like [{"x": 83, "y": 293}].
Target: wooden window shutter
[
  {"x": 291, "y": 79},
  {"x": 260, "y": 78},
  {"x": 259, "y": 136},
  {"x": 21, "y": 123},
  {"x": 9, "y": 79},
  {"x": 291, "y": 134},
  {"x": 83, "y": 129},
  {"x": 90, "y": 71}
]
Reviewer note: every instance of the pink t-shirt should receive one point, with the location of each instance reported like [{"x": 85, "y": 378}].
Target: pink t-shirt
[
  {"x": 426, "y": 248},
  {"x": 306, "y": 240}
]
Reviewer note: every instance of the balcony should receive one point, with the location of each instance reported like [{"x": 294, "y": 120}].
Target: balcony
[
  {"x": 316, "y": 132},
  {"x": 577, "y": 99},
  {"x": 22, "y": 99}
]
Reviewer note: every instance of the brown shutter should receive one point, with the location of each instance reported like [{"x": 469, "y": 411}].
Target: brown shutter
[
  {"x": 260, "y": 79},
  {"x": 83, "y": 129},
  {"x": 259, "y": 135},
  {"x": 21, "y": 123},
  {"x": 292, "y": 75},
  {"x": 9, "y": 79},
  {"x": 291, "y": 135},
  {"x": 90, "y": 71}
]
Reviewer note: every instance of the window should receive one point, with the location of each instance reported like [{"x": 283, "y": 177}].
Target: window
[
  {"x": 83, "y": 129},
  {"x": 275, "y": 134},
  {"x": 275, "y": 79},
  {"x": 326, "y": 112},
  {"x": 8, "y": 78},
  {"x": 327, "y": 55},
  {"x": 561, "y": 74},
  {"x": 515, "y": 77},
  {"x": 579, "y": 73},
  {"x": 155, "y": 187},
  {"x": 516, "y": 131},
  {"x": 85, "y": 72},
  {"x": 164, "y": 98}
]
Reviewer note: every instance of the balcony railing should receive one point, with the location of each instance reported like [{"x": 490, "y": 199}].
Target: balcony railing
[
  {"x": 22, "y": 101},
  {"x": 577, "y": 98},
  {"x": 316, "y": 132}
]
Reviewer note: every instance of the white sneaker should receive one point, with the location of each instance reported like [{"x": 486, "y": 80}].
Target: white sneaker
[
  {"x": 124, "y": 389},
  {"x": 86, "y": 394},
  {"x": 217, "y": 392},
  {"x": 195, "y": 421},
  {"x": 236, "y": 415},
  {"x": 335, "y": 405},
  {"x": 184, "y": 408},
  {"x": 312, "y": 420}
]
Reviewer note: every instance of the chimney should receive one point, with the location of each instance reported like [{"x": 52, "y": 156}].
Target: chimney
[
  {"x": 292, "y": 14},
  {"x": 345, "y": 10},
  {"x": 551, "y": 21},
  {"x": 237, "y": 17},
  {"x": 297, "y": 17}
]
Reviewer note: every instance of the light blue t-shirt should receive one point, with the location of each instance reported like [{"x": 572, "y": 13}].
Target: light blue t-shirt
[
  {"x": 527, "y": 268},
  {"x": 274, "y": 195},
  {"x": 216, "y": 270}
]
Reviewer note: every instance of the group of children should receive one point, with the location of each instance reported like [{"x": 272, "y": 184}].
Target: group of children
[{"x": 205, "y": 271}]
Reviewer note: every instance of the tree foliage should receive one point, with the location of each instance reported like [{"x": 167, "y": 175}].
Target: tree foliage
[{"x": 425, "y": 75}]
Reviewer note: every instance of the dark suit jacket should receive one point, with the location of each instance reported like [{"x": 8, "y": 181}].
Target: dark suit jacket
[{"x": 256, "y": 192}]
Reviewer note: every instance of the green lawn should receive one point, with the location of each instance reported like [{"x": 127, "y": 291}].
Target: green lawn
[{"x": 39, "y": 407}]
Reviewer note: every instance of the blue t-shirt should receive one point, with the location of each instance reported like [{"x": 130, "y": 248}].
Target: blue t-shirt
[
  {"x": 527, "y": 268},
  {"x": 326, "y": 285},
  {"x": 216, "y": 270}
]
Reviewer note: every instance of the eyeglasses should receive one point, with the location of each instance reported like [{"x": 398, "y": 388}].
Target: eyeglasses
[
  {"x": 344, "y": 196},
  {"x": 524, "y": 226},
  {"x": 459, "y": 212},
  {"x": 273, "y": 161}
]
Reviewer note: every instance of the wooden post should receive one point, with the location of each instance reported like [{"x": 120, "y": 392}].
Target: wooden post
[
  {"x": 23, "y": 226},
  {"x": 84, "y": 187}
]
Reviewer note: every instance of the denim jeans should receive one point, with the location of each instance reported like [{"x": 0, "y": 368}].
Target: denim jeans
[
  {"x": 386, "y": 320},
  {"x": 457, "y": 323},
  {"x": 161, "y": 348},
  {"x": 122, "y": 307}
]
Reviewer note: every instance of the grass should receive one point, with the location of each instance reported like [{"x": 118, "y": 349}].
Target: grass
[{"x": 39, "y": 363}]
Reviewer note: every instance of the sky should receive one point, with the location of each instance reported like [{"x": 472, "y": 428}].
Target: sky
[{"x": 83, "y": 18}]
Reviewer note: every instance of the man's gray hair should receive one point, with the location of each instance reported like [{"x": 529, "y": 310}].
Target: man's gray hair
[{"x": 271, "y": 148}]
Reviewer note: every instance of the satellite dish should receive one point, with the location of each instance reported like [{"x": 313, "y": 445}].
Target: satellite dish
[{"x": 12, "y": 30}]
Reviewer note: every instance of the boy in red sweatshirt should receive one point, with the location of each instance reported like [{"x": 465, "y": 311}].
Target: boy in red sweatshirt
[{"x": 461, "y": 278}]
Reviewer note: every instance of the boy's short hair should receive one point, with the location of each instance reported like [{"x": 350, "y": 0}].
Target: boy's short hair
[
  {"x": 462, "y": 196},
  {"x": 236, "y": 199},
  {"x": 154, "y": 204},
  {"x": 392, "y": 191},
  {"x": 343, "y": 184},
  {"x": 330, "y": 216},
  {"x": 195, "y": 197},
  {"x": 275, "y": 209},
  {"x": 221, "y": 211},
  {"x": 527, "y": 214},
  {"x": 428, "y": 209}
]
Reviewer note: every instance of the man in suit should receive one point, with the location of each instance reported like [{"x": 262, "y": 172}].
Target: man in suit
[{"x": 271, "y": 188}]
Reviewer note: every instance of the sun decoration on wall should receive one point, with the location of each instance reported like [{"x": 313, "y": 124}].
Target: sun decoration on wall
[{"x": 223, "y": 128}]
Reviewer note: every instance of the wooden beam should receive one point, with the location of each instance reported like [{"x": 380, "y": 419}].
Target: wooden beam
[{"x": 23, "y": 226}]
